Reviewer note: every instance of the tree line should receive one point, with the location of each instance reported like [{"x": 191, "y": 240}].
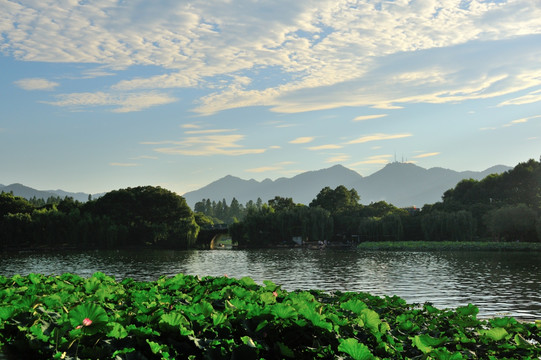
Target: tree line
[
  {"x": 503, "y": 207},
  {"x": 133, "y": 217}
]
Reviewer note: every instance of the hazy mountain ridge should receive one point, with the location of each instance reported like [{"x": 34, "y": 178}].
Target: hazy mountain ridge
[
  {"x": 28, "y": 192},
  {"x": 401, "y": 184}
]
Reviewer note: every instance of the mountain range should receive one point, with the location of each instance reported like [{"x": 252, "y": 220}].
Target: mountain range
[
  {"x": 398, "y": 183},
  {"x": 28, "y": 192}
]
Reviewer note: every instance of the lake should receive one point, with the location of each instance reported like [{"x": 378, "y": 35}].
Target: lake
[{"x": 499, "y": 283}]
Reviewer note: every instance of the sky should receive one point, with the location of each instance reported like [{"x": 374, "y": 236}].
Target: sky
[{"x": 107, "y": 94}]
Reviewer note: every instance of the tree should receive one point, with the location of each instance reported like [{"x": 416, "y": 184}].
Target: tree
[
  {"x": 152, "y": 215},
  {"x": 280, "y": 203},
  {"x": 513, "y": 222},
  {"x": 338, "y": 200},
  {"x": 10, "y": 204}
]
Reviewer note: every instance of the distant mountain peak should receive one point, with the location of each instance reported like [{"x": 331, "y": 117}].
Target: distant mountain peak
[{"x": 399, "y": 183}]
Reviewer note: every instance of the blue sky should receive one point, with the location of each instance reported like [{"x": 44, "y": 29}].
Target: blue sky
[{"x": 106, "y": 94}]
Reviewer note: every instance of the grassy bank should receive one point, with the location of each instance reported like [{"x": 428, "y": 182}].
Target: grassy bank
[
  {"x": 187, "y": 317},
  {"x": 451, "y": 245}
]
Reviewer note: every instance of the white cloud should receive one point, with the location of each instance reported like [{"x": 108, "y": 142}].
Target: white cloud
[
  {"x": 122, "y": 102},
  {"x": 376, "y": 159},
  {"x": 36, "y": 84},
  {"x": 338, "y": 158},
  {"x": 279, "y": 167},
  {"x": 209, "y": 131},
  {"x": 325, "y": 147},
  {"x": 378, "y": 137},
  {"x": 302, "y": 140},
  {"x": 320, "y": 54},
  {"x": 207, "y": 144},
  {"x": 534, "y": 96},
  {"x": 420, "y": 156},
  {"x": 369, "y": 117},
  {"x": 513, "y": 122}
]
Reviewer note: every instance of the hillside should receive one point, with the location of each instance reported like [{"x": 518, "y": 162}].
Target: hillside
[
  {"x": 28, "y": 192},
  {"x": 401, "y": 184}
]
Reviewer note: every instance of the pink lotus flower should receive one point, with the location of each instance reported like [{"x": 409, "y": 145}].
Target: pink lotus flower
[
  {"x": 275, "y": 294},
  {"x": 87, "y": 322}
]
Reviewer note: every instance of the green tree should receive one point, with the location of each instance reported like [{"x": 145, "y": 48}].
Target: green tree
[
  {"x": 513, "y": 223},
  {"x": 281, "y": 203},
  {"x": 338, "y": 200},
  {"x": 10, "y": 204},
  {"x": 151, "y": 215}
]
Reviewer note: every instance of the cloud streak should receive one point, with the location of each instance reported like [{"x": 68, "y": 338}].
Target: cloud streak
[
  {"x": 121, "y": 102},
  {"x": 302, "y": 140},
  {"x": 369, "y": 117},
  {"x": 425, "y": 155},
  {"x": 378, "y": 137},
  {"x": 36, "y": 84},
  {"x": 209, "y": 143}
]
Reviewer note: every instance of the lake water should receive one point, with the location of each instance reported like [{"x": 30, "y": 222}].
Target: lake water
[{"x": 498, "y": 283}]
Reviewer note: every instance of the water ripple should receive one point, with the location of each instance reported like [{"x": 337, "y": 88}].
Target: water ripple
[{"x": 498, "y": 283}]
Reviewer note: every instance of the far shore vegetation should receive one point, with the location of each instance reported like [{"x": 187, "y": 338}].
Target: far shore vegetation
[{"x": 501, "y": 212}]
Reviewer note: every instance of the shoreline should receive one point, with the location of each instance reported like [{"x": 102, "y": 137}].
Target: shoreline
[{"x": 449, "y": 246}]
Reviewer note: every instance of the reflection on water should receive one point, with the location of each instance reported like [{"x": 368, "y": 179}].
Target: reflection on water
[{"x": 498, "y": 283}]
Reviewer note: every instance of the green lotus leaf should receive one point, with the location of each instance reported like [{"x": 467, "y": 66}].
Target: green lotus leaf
[
  {"x": 91, "y": 285},
  {"x": 116, "y": 330},
  {"x": 38, "y": 330},
  {"x": 267, "y": 298},
  {"x": 426, "y": 343},
  {"x": 269, "y": 285},
  {"x": 174, "y": 319},
  {"x": 176, "y": 282},
  {"x": 355, "y": 349},
  {"x": 6, "y": 312},
  {"x": 261, "y": 325},
  {"x": 95, "y": 313},
  {"x": 248, "y": 282},
  {"x": 469, "y": 310},
  {"x": 155, "y": 347},
  {"x": 70, "y": 278},
  {"x": 204, "y": 308},
  {"x": 522, "y": 343},
  {"x": 285, "y": 350},
  {"x": 444, "y": 354},
  {"x": 34, "y": 278},
  {"x": 283, "y": 311},
  {"x": 503, "y": 322},
  {"x": 371, "y": 319},
  {"x": 117, "y": 353},
  {"x": 495, "y": 334},
  {"x": 218, "y": 318},
  {"x": 430, "y": 309},
  {"x": 102, "y": 277},
  {"x": 353, "y": 305},
  {"x": 240, "y": 292}
]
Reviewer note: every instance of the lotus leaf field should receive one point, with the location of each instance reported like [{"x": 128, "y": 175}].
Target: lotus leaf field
[{"x": 188, "y": 317}]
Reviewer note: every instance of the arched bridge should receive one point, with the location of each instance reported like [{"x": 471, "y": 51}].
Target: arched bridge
[{"x": 210, "y": 235}]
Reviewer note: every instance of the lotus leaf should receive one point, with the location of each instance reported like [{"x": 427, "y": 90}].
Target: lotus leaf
[{"x": 353, "y": 348}]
